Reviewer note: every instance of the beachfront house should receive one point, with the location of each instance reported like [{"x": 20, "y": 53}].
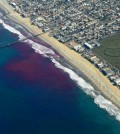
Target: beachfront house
[
  {"x": 108, "y": 72},
  {"x": 100, "y": 65},
  {"x": 76, "y": 48},
  {"x": 117, "y": 82},
  {"x": 13, "y": 4},
  {"x": 87, "y": 45},
  {"x": 113, "y": 78}
]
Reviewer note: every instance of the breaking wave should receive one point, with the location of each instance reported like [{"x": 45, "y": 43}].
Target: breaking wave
[
  {"x": 11, "y": 29},
  {"x": 86, "y": 87}
]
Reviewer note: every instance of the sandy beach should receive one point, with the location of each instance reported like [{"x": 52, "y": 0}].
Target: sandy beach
[{"x": 106, "y": 88}]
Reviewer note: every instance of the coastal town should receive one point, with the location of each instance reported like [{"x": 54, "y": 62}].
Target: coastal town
[{"x": 78, "y": 24}]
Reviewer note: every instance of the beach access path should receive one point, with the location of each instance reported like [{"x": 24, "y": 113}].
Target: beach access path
[{"x": 97, "y": 79}]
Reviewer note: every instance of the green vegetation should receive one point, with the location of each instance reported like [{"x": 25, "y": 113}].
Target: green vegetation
[{"x": 110, "y": 50}]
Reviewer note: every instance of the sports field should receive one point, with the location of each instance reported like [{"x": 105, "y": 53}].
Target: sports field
[{"x": 110, "y": 50}]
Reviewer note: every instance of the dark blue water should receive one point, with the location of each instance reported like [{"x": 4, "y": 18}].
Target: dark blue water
[{"x": 38, "y": 98}]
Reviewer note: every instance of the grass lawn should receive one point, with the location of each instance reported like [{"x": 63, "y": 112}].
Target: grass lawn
[{"x": 110, "y": 50}]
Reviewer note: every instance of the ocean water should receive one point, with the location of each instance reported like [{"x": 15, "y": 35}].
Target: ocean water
[{"x": 38, "y": 95}]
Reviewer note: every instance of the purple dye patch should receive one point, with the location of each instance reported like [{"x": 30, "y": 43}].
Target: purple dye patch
[{"x": 33, "y": 67}]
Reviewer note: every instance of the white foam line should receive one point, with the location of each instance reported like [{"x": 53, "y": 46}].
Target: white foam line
[
  {"x": 11, "y": 29},
  {"x": 108, "y": 106},
  {"x": 98, "y": 99},
  {"x": 86, "y": 87}
]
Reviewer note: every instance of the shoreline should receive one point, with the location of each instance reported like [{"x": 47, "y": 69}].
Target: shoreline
[{"x": 90, "y": 71}]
